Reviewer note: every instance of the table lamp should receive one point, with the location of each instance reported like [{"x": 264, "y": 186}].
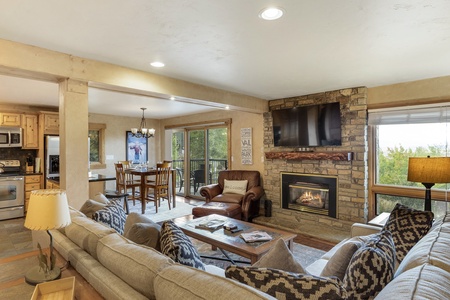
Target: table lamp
[
  {"x": 47, "y": 209},
  {"x": 429, "y": 170}
]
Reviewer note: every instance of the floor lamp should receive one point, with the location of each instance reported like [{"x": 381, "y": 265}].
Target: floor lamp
[
  {"x": 428, "y": 171},
  {"x": 47, "y": 209}
]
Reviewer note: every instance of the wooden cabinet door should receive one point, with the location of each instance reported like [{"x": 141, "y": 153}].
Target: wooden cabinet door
[
  {"x": 9, "y": 119},
  {"x": 51, "y": 123},
  {"x": 31, "y": 132}
]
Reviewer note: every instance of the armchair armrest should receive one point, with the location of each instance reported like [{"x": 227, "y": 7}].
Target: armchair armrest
[
  {"x": 359, "y": 229},
  {"x": 210, "y": 191}
]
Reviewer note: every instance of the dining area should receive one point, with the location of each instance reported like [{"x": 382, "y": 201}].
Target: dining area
[{"x": 143, "y": 183}]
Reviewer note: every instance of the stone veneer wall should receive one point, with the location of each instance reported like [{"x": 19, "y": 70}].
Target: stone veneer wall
[{"x": 352, "y": 175}]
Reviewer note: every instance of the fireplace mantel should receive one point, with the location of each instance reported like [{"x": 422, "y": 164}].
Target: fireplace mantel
[{"x": 307, "y": 155}]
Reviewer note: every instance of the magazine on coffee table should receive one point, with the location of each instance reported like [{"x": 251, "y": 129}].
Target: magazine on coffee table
[
  {"x": 256, "y": 236},
  {"x": 211, "y": 225}
]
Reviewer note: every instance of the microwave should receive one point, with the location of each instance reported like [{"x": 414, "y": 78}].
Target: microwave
[{"x": 10, "y": 137}]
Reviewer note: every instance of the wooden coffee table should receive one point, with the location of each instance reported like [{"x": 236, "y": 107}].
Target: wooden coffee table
[{"x": 232, "y": 242}]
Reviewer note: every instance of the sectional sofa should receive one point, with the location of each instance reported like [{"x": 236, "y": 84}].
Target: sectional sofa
[{"x": 119, "y": 268}]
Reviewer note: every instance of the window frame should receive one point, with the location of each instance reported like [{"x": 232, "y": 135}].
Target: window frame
[
  {"x": 101, "y": 128},
  {"x": 374, "y": 188}
]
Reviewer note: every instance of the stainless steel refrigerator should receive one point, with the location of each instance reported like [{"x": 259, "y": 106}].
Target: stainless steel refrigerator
[{"x": 51, "y": 156}]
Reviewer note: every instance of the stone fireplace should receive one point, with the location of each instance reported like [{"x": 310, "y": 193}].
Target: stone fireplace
[
  {"x": 347, "y": 163},
  {"x": 309, "y": 193}
]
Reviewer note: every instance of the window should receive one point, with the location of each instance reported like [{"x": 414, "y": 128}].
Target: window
[
  {"x": 97, "y": 146},
  {"x": 398, "y": 134}
]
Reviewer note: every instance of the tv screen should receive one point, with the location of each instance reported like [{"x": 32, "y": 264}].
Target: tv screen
[{"x": 307, "y": 126}]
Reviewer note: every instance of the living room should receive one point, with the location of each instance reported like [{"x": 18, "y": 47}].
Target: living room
[{"x": 76, "y": 74}]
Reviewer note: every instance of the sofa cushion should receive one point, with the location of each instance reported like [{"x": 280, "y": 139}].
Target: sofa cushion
[
  {"x": 338, "y": 263},
  {"x": 371, "y": 267},
  {"x": 112, "y": 215},
  {"x": 433, "y": 248},
  {"x": 135, "y": 264},
  {"x": 286, "y": 285},
  {"x": 134, "y": 218},
  {"x": 176, "y": 245},
  {"x": 407, "y": 226},
  {"x": 145, "y": 234},
  {"x": 90, "y": 207},
  {"x": 422, "y": 282},
  {"x": 182, "y": 282},
  {"x": 235, "y": 187},
  {"x": 281, "y": 258},
  {"x": 86, "y": 232},
  {"x": 99, "y": 197}
]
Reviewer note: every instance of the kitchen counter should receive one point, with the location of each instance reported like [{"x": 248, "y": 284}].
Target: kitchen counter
[{"x": 93, "y": 178}]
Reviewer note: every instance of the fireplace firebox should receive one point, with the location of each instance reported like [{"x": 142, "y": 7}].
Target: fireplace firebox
[{"x": 309, "y": 193}]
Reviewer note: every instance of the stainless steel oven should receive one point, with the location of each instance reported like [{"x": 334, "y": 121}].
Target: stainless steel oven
[{"x": 11, "y": 197}]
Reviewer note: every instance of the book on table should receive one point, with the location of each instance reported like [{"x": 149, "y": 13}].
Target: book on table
[
  {"x": 256, "y": 236},
  {"x": 212, "y": 225}
]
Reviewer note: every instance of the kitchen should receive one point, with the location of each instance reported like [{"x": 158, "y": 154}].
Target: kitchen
[{"x": 25, "y": 165}]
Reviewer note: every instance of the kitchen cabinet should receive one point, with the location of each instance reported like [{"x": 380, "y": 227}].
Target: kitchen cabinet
[
  {"x": 49, "y": 122},
  {"x": 30, "y": 131},
  {"x": 10, "y": 119},
  {"x": 50, "y": 184},
  {"x": 32, "y": 182}
]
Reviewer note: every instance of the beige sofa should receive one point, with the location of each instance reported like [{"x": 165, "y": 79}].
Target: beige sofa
[
  {"x": 120, "y": 269},
  {"x": 423, "y": 274}
]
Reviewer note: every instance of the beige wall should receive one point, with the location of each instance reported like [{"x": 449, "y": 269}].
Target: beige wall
[
  {"x": 430, "y": 90},
  {"x": 239, "y": 120}
]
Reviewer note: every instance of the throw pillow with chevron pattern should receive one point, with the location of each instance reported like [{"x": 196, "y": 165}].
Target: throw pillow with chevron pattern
[
  {"x": 286, "y": 285},
  {"x": 112, "y": 215},
  {"x": 371, "y": 267},
  {"x": 407, "y": 226},
  {"x": 176, "y": 245}
]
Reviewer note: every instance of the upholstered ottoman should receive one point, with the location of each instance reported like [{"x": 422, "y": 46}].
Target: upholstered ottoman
[{"x": 231, "y": 210}]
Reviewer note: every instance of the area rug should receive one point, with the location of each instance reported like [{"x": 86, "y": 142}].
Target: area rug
[
  {"x": 303, "y": 254},
  {"x": 181, "y": 209}
]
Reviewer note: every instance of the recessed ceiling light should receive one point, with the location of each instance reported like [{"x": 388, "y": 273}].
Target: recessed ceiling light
[
  {"x": 227, "y": 107},
  {"x": 271, "y": 13},
  {"x": 172, "y": 98},
  {"x": 157, "y": 64}
]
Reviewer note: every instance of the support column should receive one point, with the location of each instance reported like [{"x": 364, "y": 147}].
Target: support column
[{"x": 74, "y": 160}]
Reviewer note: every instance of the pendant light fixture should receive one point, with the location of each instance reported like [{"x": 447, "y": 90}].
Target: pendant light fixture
[{"x": 143, "y": 131}]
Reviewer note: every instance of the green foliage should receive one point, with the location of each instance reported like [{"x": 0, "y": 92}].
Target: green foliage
[{"x": 94, "y": 145}]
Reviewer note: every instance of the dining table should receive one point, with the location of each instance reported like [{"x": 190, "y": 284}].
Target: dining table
[{"x": 143, "y": 172}]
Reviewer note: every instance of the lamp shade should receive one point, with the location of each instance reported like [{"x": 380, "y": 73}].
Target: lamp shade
[
  {"x": 429, "y": 169},
  {"x": 47, "y": 209}
]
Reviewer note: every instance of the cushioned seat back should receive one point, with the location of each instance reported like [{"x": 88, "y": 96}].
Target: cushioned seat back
[{"x": 253, "y": 177}]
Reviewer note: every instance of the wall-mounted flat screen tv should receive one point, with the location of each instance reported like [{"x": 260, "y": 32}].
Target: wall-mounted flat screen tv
[{"x": 307, "y": 126}]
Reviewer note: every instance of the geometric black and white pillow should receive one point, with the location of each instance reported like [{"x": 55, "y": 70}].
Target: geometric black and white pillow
[
  {"x": 407, "y": 226},
  {"x": 112, "y": 215},
  {"x": 176, "y": 245},
  {"x": 371, "y": 267},
  {"x": 285, "y": 285}
]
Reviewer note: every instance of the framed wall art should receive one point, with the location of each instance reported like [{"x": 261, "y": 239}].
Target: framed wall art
[{"x": 136, "y": 149}]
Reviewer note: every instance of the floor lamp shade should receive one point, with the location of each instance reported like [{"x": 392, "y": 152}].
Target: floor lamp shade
[
  {"x": 428, "y": 171},
  {"x": 47, "y": 209}
]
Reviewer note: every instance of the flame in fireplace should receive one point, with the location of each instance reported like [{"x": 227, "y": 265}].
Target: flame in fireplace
[{"x": 311, "y": 199}]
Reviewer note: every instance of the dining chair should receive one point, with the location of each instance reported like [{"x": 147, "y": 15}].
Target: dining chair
[
  {"x": 160, "y": 186},
  {"x": 125, "y": 181}
]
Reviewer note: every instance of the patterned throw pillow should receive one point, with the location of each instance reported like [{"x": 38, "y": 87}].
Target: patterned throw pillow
[
  {"x": 371, "y": 267},
  {"x": 286, "y": 285},
  {"x": 112, "y": 215},
  {"x": 176, "y": 245},
  {"x": 407, "y": 226}
]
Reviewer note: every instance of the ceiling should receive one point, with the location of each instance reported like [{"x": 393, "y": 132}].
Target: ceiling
[{"x": 316, "y": 46}]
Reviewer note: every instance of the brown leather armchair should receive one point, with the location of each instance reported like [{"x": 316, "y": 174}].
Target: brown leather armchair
[{"x": 249, "y": 202}]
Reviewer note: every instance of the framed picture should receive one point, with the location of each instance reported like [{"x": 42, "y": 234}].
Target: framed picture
[{"x": 136, "y": 149}]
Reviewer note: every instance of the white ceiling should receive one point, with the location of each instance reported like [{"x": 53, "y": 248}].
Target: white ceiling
[{"x": 317, "y": 46}]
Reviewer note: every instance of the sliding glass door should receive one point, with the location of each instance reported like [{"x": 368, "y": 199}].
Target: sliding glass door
[{"x": 207, "y": 154}]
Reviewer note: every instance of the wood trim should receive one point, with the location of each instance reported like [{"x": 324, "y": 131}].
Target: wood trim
[{"x": 341, "y": 156}]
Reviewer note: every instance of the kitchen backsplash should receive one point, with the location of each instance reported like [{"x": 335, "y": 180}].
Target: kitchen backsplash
[{"x": 17, "y": 153}]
